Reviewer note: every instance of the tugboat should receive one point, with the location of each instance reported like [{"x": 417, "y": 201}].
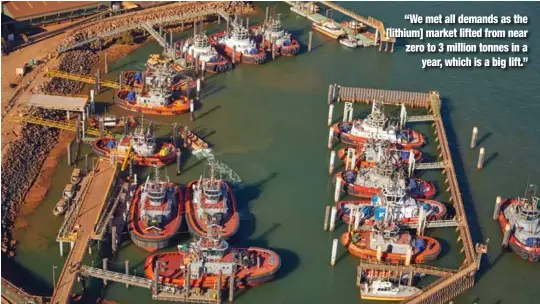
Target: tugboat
[
  {"x": 369, "y": 181},
  {"x": 206, "y": 258},
  {"x": 158, "y": 101},
  {"x": 401, "y": 208},
  {"x": 143, "y": 146},
  {"x": 377, "y": 126},
  {"x": 273, "y": 30},
  {"x": 76, "y": 176},
  {"x": 199, "y": 46},
  {"x": 239, "y": 39},
  {"x": 331, "y": 29},
  {"x": 305, "y": 9},
  {"x": 160, "y": 71},
  {"x": 372, "y": 151},
  {"x": 210, "y": 203},
  {"x": 523, "y": 216},
  {"x": 387, "y": 291},
  {"x": 350, "y": 42},
  {"x": 156, "y": 213},
  {"x": 392, "y": 243}
]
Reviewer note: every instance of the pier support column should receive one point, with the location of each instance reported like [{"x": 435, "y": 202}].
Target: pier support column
[
  {"x": 333, "y": 214},
  {"x": 474, "y": 137},
  {"x": 393, "y": 43},
  {"x": 191, "y": 109},
  {"x": 127, "y": 271},
  {"x": 231, "y": 288},
  {"x": 274, "y": 48},
  {"x": 227, "y": 25},
  {"x": 326, "y": 217},
  {"x": 331, "y": 138},
  {"x": 497, "y": 207},
  {"x": 198, "y": 88},
  {"x": 330, "y": 114},
  {"x": 171, "y": 42},
  {"x": 507, "y": 234},
  {"x": 113, "y": 239},
  {"x": 234, "y": 55},
  {"x": 185, "y": 137},
  {"x": 61, "y": 248},
  {"x": 310, "y": 41},
  {"x": 105, "y": 268},
  {"x": 78, "y": 129},
  {"x": 203, "y": 70},
  {"x": 178, "y": 160},
  {"x": 330, "y": 94},
  {"x": 160, "y": 30},
  {"x": 334, "y": 252},
  {"x": 480, "y": 163},
  {"x": 332, "y": 162},
  {"x": 69, "y": 153}
]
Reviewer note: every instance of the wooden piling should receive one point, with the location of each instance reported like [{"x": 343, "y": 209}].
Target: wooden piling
[
  {"x": 332, "y": 162},
  {"x": 69, "y": 153},
  {"x": 333, "y": 214},
  {"x": 497, "y": 207},
  {"x": 203, "y": 70},
  {"x": 474, "y": 137},
  {"x": 231, "y": 288},
  {"x": 113, "y": 239},
  {"x": 106, "y": 64},
  {"x": 337, "y": 191},
  {"x": 330, "y": 114},
  {"x": 326, "y": 217},
  {"x": 330, "y": 94},
  {"x": 198, "y": 88},
  {"x": 105, "y": 268},
  {"x": 331, "y": 138},
  {"x": 178, "y": 159},
  {"x": 310, "y": 41},
  {"x": 334, "y": 252},
  {"x": 234, "y": 55},
  {"x": 507, "y": 234},
  {"x": 481, "y": 156},
  {"x": 127, "y": 271},
  {"x": 191, "y": 109}
]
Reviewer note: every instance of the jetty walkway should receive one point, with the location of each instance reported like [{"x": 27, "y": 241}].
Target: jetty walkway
[
  {"x": 91, "y": 204},
  {"x": 455, "y": 281}
]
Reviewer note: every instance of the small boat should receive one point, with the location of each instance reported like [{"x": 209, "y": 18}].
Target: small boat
[
  {"x": 156, "y": 213},
  {"x": 199, "y": 46},
  {"x": 76, "y": 176},
  {"x": 378, "y": 126},
  {"x": 523, "y": 216},
  {"x": 211, "y": 203},
  {"x": 305, "y": 9},
  {"x": 373, "y": 151},
  {"x": 392, "y": 244},
  {"x": 60, "y": 207},
  {"x": 143, "y": 148},
  {"x": 329, "y": 28},
  {"x": 241, "y": 42},
  {"x": 387, "y": 291},
  {"x": 204, "y": 260},
  {"x": 69, "y": 192},
  {"x": 401, "y": 208},
  {"x": 350, "y": 42},
  {"x": 155, "y": 101},
  {"x": 354, "y": 26},
  {"x": 273, "y": 30},
  {"x": 369, "y": 181}
]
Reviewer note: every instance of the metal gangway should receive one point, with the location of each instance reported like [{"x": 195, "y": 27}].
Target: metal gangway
[
  {"x": 430, "y": 166},
  {"x": 168, "y": 50},
  {"x": 120, "y": 30},
  {"x": 220, "y": 167},
  {"x": 432, "y": 224},
  {"x": 420, "y": 118},
  {"x": 115, "y": 276}
]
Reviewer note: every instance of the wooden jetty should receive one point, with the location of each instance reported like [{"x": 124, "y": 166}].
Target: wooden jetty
[{"x": 451, "y": 282}]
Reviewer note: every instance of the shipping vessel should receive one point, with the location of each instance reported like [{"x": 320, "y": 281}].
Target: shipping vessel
[
  {"x": 272, "y": 32},
  {"x": 401, "y": 208},
  {"x": 331, "y": 29},
  {"x": 240, "y": 42},
  {"x": 373, "y": 151},
  {"x": 204, "y": 260},
  {"x": 369, "y": 181},
  {"x": 156, "y": 213},
  {"x": 140, "y": 145},
  {"x": 523, "y": 217},
  {"x": 199, "y": 46},
  {"x": 210, "y": 202},
  {"x": 387, "y": 291},
  {"x": 392, "y": 245},
  {"x": 377, "y": 126}
]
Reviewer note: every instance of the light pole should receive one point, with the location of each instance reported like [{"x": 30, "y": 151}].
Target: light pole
[{"x": 54, "y": 276}]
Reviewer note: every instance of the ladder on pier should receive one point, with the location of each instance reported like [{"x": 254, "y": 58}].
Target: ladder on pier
[{"x": 430, "y": 166}]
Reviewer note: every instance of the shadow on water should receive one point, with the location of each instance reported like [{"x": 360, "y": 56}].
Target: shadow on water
[
  {"x": 472, "y": 219},
  {"x": 25, "y": 279},
  {"x": 484, "y": 137},
  {"x": 209, "y": 88},
  {"x": 490, "y": 158},
  {"x": 209, "y": 111}
]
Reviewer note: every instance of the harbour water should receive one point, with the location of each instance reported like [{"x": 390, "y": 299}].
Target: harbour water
[{"x": 268, "y": 123}]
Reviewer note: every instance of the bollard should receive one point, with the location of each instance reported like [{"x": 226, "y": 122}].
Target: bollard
[
  {"x": 178, "y": 159},
  {"x": 357, "y": 219},
  {"x": 191, "y": 109},
  {"x": 333, "y": 214},
  {"x": 497, "y": 207},
  {"x": 127, "y": 271},
  {"x": 332, "y": 160},
  {"x": 334, "y": 252},
  {"x": 507, "y": 233},
  {"x": 310, "y": 41},
  {"x": 105, "y": 268},
  {"x": 408, "y": 256},
  {"x": 326, "y": 217},
  {"x": 480, "y": 164},
  {"x": 69, "y": 153},
  {"x": 330, "y": 112},
  {"x": 474, "y": 137},
  {"x": 379, "y": 253},
  {"x": 330, "y": 138},
  {"x": 337, "y": 191}
]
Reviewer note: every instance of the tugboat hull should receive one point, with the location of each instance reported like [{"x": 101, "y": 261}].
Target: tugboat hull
[
  {"x": 426, "y": 190},
  {"x": 418, "y": 139},
  {"x": 342, "y": 154},
  {"x": 258, "y": 58},
  {"x": 525, "y": 252},
  {"x": 220, "y": 66},
  {"x": 176, "y": 107}
]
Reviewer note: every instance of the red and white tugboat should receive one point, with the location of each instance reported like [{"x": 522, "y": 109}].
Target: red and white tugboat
[
  {"x": 156, "y": 213},
  {"x": 401, "y": 208},
  {"x": 377, "y": 126},
  {"x": 369, "y": 181},
  {"x": 159, "y": 72},
  {"x": 241, "y": 40},
  {"x": 273, "y": 31},
  {"x": 210, "y": 202},
  {"x": 523, "y": 217},
  {"x": 372, "y": 151},
  {"x": 206, "y": 258},
  {"x": 199, "y": 46}
]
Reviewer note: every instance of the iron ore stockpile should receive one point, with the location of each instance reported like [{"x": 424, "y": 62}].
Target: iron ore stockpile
[{"x": 24, "y": 159}]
